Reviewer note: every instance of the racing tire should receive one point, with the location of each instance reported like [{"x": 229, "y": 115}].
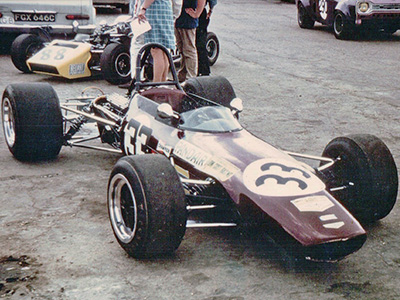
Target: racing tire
[
  {"x": 24, "y": 47},
  {"x": 303, "y": 18},
  {"x": 146, "y": 205},
  {"x": 115, "y": 63},
  {"x": 212, "y": 46},
  {"x": 32, "y": 121},
  {"x": 214, "y": 88},
  {"x": 365, "y": 166},
  {"x": 341, "y": 27}
]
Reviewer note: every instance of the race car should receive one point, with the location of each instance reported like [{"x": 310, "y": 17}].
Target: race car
[
  {"x": 348, "y": 16},
  {"x": 104, "y": 52},
  {"x": 188, "y": 163}
]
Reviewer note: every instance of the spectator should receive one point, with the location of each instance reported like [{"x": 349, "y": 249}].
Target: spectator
[
  {"x": 185, "y": 33},
  {"x": 160, "y": 16},
  {"x": 201, "y": 39}
]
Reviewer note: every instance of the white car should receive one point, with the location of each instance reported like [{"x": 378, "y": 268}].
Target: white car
[
  {"x": 59, "y": 16},
  {"x": 122, "y": 4}
]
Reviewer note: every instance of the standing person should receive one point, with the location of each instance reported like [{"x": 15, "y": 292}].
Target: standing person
[
  {"x": 160, "y": 16},
  {"x": 201, "y": 39},
  {"x": 185, "y": 33}
]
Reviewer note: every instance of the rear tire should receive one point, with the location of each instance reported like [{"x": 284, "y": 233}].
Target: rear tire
[
  {"x": 32, "y": 121},
  {"x": 24, "y": 47},
  {"x": 115, "y": 63},
  {"x": 214, "y": 88},
  {"x": 212, "y": 46},
  {"x": 366, "y": 162},
  {"x": 146, "y": 205},
  {"x": 303, "y": 18}
]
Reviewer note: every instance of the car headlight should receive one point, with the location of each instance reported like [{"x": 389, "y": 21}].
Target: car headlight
[{"x": 363, "y": 7}]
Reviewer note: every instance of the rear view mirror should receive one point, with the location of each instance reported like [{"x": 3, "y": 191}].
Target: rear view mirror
[{"x": 165, "y": 111}]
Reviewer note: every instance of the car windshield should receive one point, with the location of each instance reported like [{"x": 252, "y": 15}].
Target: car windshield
[{"x": 209, "y": 119}]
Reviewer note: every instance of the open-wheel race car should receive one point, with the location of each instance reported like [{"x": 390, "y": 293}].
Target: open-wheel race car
[
  {"x": 187, "y": 155},
  {"x": 105, "y": 52}
]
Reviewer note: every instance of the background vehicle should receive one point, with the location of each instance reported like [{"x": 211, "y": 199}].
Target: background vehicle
[
  {"x": 222, "y": 168},
  {"x": 60, "y": 17},
  {"x": 105, "y": 52},
  {"x": 347, "y": 16},
  {"x": 122, "y": 4}
]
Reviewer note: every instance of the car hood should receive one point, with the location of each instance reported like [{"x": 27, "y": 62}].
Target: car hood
[{"x": 285, "y": 189}]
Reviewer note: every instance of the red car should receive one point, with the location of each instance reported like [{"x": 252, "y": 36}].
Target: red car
[{"x": 187, "y": 153}]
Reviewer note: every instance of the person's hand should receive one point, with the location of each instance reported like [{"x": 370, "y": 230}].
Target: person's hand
[
  {"x": 142, "y": 15},
  {"x": 191, "y": 12}
]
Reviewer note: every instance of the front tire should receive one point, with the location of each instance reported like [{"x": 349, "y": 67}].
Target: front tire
[
  {"x": 365, "y": 166},
  {"x": 24, "y": 47},
  {"x": 303, "y": 18},
  {"x": 341, "y": 27},
  {"x": 32, "y": 121},
  {"x": 115, "y": 64},
  {"x": 212, "y": 47},
  {"x": 146, "y": 205}
]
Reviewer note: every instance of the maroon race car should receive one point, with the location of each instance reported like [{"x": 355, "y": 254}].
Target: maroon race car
[{"x": 186, "y": 153}]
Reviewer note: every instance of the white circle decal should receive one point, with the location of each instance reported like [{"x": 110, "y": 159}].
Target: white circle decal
[{"x": 280, "y": 178}]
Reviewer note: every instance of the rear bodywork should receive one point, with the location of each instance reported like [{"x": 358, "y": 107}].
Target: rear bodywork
[{"x": 25, "y": 16}]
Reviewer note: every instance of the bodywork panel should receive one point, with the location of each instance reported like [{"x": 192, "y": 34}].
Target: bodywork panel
[{"x": 62, "y": 58}]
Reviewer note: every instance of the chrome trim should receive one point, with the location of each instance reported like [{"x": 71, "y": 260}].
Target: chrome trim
[
  {"x": 194, "y": 224},
  {"x": 90, "y": 116},
  {"x": 74, "y": 144},
  {"x": 329, "y": 161},
  {"x": 200, "y": 207},
  {"x": 195, "y": 181}
]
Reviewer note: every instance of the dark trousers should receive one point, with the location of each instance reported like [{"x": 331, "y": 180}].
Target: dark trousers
[{"x": 201, "y": 42}]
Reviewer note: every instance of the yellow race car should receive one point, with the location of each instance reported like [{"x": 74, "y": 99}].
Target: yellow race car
[{"x": 105, "y": 52}]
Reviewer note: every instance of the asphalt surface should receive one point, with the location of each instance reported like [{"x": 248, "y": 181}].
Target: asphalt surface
[{"x": 301, "y": 88}]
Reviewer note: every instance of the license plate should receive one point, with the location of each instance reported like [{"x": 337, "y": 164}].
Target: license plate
[
  {"x": 76, "y": 69},
  {"x": 34, "y": 17}
]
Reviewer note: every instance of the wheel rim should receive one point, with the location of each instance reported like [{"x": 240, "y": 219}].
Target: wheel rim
[
  {"x": 8, "y": 122},
  {"x": 123, "y": 65},
  {"x": 338, "y": 24},
  {"x": 122, "y": 208},
  {"x": 211, "y": 49}
]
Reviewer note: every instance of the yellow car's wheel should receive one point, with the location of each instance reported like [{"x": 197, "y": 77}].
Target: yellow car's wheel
[{"x": 115, "y": 63}]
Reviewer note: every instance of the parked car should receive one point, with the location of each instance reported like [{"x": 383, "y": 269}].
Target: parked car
[
  {"x": 105, "y": 52},
  {"x": 186, "y": 152},
  {"x": 122, "y": 4},
  {"x": 63, "y": 17},
  {"x": 348, "y": 16}
]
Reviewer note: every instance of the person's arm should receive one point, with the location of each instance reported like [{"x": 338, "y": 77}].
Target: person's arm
[
  {"x": 211, "y": 4},
  {"x": 195, "y": 13},
  {"x": 145, "y": 6},
  {"x": 177, "y": 8}
]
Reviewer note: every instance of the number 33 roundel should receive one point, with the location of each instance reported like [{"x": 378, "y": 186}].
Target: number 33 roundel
[{"x": 280, "y": 178}]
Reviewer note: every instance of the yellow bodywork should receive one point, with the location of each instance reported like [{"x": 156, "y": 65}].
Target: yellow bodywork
[{"x": 62, "y": 58}]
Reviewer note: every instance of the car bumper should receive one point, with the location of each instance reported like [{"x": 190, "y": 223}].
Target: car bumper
[
  {"x": 379, "y": 14},
  {"x": 54, "y": 29}
]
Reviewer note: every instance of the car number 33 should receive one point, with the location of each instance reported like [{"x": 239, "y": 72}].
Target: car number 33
[{"x": 137, "y": 136}]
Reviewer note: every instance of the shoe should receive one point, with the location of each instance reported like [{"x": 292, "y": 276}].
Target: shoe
[{"x": 125, "y": 85}]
